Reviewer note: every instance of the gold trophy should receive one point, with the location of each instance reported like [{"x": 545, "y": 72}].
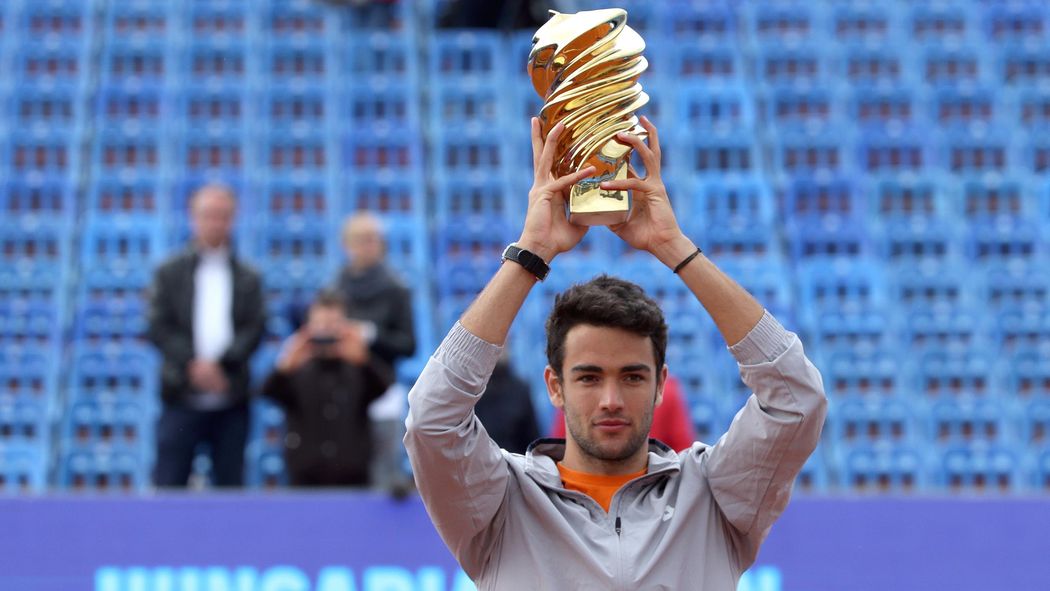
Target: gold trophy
[{"x": 586, "y": 67}]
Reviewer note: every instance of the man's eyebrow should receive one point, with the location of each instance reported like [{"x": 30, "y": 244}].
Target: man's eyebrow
[{"x": 625, "y": 369}]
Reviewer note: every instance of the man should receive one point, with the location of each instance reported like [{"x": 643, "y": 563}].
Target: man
[
  {"x": 604, "y": 509},
  {"x": 325, "y": 381},
  {"x": 382, "y": 307},
  {"x": 207, "y": 318}
]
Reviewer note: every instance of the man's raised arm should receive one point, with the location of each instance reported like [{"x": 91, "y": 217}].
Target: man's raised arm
[
  {"x": 751, "y": 469},
  {"x": 459, "y": 470}
]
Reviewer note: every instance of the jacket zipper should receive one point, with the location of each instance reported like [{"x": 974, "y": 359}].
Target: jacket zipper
[{"x": 617, "y": 526}]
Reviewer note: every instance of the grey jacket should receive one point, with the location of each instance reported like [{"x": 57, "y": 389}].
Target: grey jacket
[{"x": 695, "y": 520}]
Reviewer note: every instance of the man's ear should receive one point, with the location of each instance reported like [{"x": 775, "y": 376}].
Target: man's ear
[
  {"x": 554, "y": 389},
  {"x": 660, "y": 382}
]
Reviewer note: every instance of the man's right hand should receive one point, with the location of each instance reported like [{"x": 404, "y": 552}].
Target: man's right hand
[
  {"x": 547, "y": 232},
  {"x": 297, "y": 353},
  {"x": 207, "y": 376}
]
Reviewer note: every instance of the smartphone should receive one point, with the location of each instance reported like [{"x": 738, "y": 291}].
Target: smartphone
[{"x": 323, "y": 340}]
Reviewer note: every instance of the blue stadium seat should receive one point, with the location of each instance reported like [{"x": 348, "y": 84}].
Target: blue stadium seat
[
  {"x": 868, "y": 421},
  {"x": 862, "y": 23},
  {"x": 980, "y": 468},
  {"x": 220, "y": 105},
  {"x": 1035, "y": 158},
  {"x": 296, "y": 151},
  {"x": 28, "y": 372},
  {"x": 33, "y": 247},
  {"x": 709, "y": 62},
  {"x": 1015, "y": 23},
  {"x": 908, "y": 194},
  {"x": 300, "y": 256},
  {"x": 963, "y": 421},
  {"x": 99, "y": 425},
  {"x": 792, "y": 64},
  {"x": 990, "y": 196},
  {"x": 472, "y": 101},
  {"x": 844, "y": 284},
  {"x": 124, "y": 373},
  {"x": 871, "y": 68},
  {"x": 712, "y": 155},
  {"x": 116, "y": 316},
  {"x": 918, "y": 240},
  {"x": 224, "y": 21},
  {"x": 815, "y": 476},
  {"x": 950, "y": 65},
  {"x": 133, "y": 110},
  {"x": 140, "y": 18},
  {"x": 1024, "y": 65},
  {"x": 218, "y": 152},
  {"x": 1004, "y": 239},
  {"x": 959, "y": 373},
  {"x": 380, "y": 150},
  {"x": 1029, "y": 374},
  {"x": 965, "y": 107},
  {"x": 1017, "y": 284},
  {"x": 1042, "y": 472},
  {"x": 718, "y": 201},
  {"x": 477, "y": 193},
  {"x": 297, "y": 61},
  {"x": 768, "y": 279},
  {"x": 883, "y": 468},
  {"x": 882, "y": 107},
  {"x": 719, "y": 108},
  {"x": 864, "y": 330},
  {"x": 804, "y": 153},
  {"x": 126, "y": 194},
  {"x": 210, "y": 61},
  {"x": 298, "y": 20},
  {"x": 850, "y": 372},
  {"x": 31, "y": 197},
  {"x": 46, "y": 152},
  {"x": 380, "y": 53},
  {"x": 1019, "y": 329},
  {"x": 43, "y": 107},
  {"x": 1035, "y": 423},
  {"x": 709, "y": 422},
  {"x": 801, "y": 107},
  {"x": 466, "y": 53},
  {"x": 827, "y": 238},
  {"x": 32, "y": 312},
  {"x": 975, "y": 152},
  {"x": 895, "y": 152},
  {"x": 939, "y": 23},
  {"x": 136, "y": 62},
  {"x": 934, "y": 285},
  {"x": 120, "y": 243},
  {"x": 24, "y": 421},
  {"x": 706, "y": 21},
  {"x": 292, "y": 109},
  {"x": 128, "y": 152},
  {"x": 468, "y": 149},
  {"x": 384, "y": 193},
  {"x": 738, "y": 238},
  {"x": 382, "y": 101},
  {"x": 809, "y": 197},
  {"x": 782, "y": 22},
  {"x": 1032, "y": 109},
  {"x": 299, "y": 197},
  {"x": 23, "y": 469},
  {"x": 103, "y": 472}
]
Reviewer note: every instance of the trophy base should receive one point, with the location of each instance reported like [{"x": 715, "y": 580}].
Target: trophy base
[{"x": 590, "y": 205}]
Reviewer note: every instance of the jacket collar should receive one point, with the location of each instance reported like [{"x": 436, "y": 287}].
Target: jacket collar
[{"x": 543, "y": 455}]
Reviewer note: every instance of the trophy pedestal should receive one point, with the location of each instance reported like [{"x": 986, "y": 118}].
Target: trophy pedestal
[{"x": 590, "y": 205}]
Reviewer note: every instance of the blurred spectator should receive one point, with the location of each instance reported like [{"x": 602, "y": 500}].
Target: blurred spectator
[
  {"x": 382, "y": 307},
  {"x": 485, "y": 14},
  {"x": 506, "y": 410},
  {"x": 206, "y": 317},
  {"x": 325, "y": 380},
  {"x": 671, "y": 423}
]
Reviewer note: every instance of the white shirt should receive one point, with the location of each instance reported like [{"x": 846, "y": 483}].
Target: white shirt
[{"x": 212, "y": 312}]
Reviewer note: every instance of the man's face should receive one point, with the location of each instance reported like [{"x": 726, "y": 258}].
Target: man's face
[
  {"x": 212, "y": 214},
  {"x": 609, "y": 387},
  {"x": 364, "y": 243},
  {"x": 325, "y": 324}
]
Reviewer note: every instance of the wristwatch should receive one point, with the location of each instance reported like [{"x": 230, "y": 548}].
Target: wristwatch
[{"x": 532, "y": 263}]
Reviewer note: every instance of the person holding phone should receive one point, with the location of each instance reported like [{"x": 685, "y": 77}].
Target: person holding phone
[{"x": 325, "y": 379}]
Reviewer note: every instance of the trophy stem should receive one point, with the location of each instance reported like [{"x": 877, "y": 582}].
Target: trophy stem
[{"x": 590, "y": 205}]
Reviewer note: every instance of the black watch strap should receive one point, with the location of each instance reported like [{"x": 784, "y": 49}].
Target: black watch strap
[{"x": 532, "y": 263}]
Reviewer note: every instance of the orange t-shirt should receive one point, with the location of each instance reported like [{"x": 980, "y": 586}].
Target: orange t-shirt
[{"x": 599, "y": 487}]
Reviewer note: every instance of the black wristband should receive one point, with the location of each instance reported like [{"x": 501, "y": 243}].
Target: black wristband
[
  {"x": 532, "y": 263},
  {"x": 685, "y": 262}
]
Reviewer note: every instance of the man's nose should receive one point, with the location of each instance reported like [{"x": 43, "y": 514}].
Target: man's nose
[{"x": 611, "y": 398}]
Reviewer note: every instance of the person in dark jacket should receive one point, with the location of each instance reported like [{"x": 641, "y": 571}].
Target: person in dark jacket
[
  {"x": 507, "y": 411},
  {"x": 206, "y": 316},
  {"x": 381, "y": 306},
  {"x": 325, "y": 381}
]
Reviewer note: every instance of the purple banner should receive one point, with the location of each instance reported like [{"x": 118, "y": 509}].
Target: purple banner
[{"x": 361, "y": 542}]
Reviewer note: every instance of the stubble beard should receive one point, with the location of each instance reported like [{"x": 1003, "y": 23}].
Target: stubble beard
[{"x": 590, "y": 446}]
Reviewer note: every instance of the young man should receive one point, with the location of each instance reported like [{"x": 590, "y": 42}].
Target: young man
[
  {"x": 606, "y": 508},
  {"x": 325, "y": 381}
]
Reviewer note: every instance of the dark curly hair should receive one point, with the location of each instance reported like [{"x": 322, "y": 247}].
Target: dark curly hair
[{"x": 608, "y": 302}]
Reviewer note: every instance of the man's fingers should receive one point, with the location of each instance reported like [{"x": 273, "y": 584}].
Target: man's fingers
[
  {"x": 537, "y": 143},
  {"x": 571, "y": 179},
  {"x": 549, "y": 146},
  {"x": 652, "y": 163},
  {"x": 654, "y": 136},
  {"x": 635, "y": 184}
]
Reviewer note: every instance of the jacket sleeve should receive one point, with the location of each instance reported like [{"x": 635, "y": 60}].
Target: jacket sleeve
[
  {"x": 163, "y": 329},
  {"x": 248, "y": 330},
  {"x": 753, "y": 466},
  {"x": 460, "y": 472},
  {"x": 397, "y": 338},
  {"x": 280, "y": 387}
]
